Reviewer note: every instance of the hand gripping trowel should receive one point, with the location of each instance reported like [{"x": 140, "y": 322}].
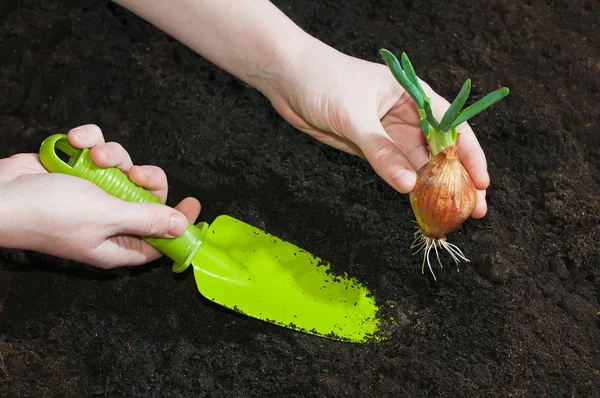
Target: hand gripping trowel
[{"x": 244, "y": 268}]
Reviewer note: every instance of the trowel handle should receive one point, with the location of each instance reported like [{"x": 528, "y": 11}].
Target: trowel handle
[{"x": 116, "y": 183}]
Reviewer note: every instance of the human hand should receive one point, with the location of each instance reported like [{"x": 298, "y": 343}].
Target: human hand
[
  {"x": 72, "y": 218},
  {"x": 358, "y": 106},
  {"x": 348, "y": 103}
]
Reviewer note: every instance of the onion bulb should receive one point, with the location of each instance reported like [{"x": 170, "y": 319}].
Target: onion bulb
[
  {"x": 443, "y": 198},
  {"x": 444, "y": 195}
]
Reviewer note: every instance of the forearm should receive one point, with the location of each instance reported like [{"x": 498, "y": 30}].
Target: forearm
[{"x": 251, "y": 39}]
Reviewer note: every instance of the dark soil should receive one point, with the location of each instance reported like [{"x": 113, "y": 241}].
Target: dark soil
[{"x": 522, "y": 319}]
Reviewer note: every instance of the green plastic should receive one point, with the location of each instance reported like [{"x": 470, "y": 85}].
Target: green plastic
[
  {"x": 242, "y": 267},
  {"x": 181, "y": 249},
  {"x": 273, "y": 279}
]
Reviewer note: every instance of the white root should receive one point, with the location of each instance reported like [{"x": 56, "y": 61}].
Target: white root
[{"x": 426, "y": 243}]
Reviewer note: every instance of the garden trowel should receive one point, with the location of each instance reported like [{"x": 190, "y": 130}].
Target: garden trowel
[{"x": 242, "y": 267}]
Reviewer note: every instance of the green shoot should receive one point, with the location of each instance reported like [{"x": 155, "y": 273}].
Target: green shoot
[
  {"x": 480, "y": 105},
  {"x": 398, "y": 73},
  {"x": 430, "y": 116},
  {"x": 410, "y": 73},
  {"x": 456, "y": 106},
  {"x": 439, "y": 135},
  {"x": 426, "y": 127}
]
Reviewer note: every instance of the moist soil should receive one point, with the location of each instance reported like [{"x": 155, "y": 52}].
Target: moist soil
[{"x": 521, "y": 319}]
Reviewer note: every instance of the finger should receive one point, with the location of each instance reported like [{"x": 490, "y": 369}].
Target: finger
[
  {"x": 86, "y": 136},
  {"x": 336, "y": 141},
  {"x": 111, "y": 154},
  {"x": 122, "y": 250},
  {"x": 386, "y": 158},
  {"x": 147, "y": 220},
  {"x": 190, "y": 207},
  {"x": 410, "y": 140},
  {"x": 469, "y": 150},
  {"x": 480, "y": 206},
  {"x": 472, "y": 157},
  {"x": 152, "y": 178}
]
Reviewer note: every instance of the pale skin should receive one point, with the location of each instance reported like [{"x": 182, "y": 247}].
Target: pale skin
[
  {"x": 348, "y": 103},
  {"x": 50, "y": 213}
]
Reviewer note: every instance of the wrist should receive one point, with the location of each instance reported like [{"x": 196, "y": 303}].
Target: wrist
[
  {"x": 281, "y": 62},
  {"x": 16, "y": 219},
  {"x": 291, "y": 65},
  {"x": 7, "y": 232}
]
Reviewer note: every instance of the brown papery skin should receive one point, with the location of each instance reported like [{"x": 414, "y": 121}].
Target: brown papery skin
[{"x": 444, "y": 195}]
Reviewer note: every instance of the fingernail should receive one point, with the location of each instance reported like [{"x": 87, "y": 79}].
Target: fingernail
[
  {"x": 78, "y": 131},
  {"x": 148, "y": 172},
  {"x": 404, "y": 180},
  {"x": 178, "y": 225}
]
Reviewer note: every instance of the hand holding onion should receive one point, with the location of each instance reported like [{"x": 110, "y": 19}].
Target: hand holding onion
[
  {"x": 348, "y": 103},
  {"x": 444, "y": 194}
]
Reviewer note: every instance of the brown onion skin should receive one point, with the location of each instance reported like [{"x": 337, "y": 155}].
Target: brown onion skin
[{"x": 444, "y": 195}]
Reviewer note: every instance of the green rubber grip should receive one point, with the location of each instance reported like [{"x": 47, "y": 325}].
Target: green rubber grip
[{"x": 116, "y": 183}]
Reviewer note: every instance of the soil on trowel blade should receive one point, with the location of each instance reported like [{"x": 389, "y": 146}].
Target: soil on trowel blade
[{"x": 521, "y": 319}]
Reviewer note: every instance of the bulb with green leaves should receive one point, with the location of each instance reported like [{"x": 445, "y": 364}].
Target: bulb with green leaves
[{"x": 444, "y": 195}]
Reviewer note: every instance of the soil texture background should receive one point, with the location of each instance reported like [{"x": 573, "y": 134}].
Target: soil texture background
[{"x": 521, "y": 319}]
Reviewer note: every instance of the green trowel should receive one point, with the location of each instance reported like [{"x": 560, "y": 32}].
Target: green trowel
[{"x": 244, "y": 268}]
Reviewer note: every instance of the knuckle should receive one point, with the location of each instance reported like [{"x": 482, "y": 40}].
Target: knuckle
[
  {"x": 385, "y": 152},
  {"x": 117, "y": 153},
  {"x": 157, "y": 223},
  {"x": 113, "y": 147},
  {"x": 20, "y": 157},
  {"x": 160, "y": 174}
]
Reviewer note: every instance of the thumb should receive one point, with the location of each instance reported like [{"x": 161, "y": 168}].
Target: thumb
[
  {"x": 150, "y": 219},
  {"x": 386, "y": 158}
]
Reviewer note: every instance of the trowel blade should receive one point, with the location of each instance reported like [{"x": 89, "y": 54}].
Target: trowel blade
[{"x": 257, "y": 274}]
